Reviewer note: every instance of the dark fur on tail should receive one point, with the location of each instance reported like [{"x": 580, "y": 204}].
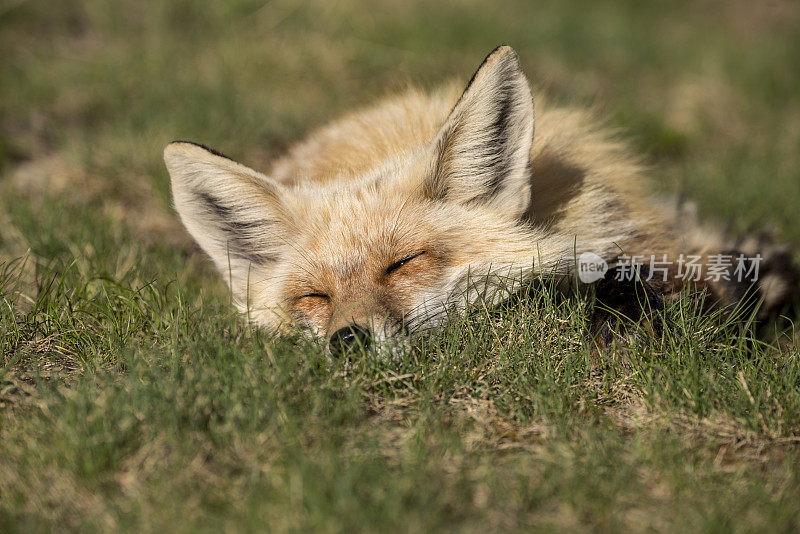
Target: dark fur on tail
[{"x": 626, "y": 310}]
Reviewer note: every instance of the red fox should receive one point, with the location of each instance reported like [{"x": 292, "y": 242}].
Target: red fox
[{"x": 379, "y": 225}]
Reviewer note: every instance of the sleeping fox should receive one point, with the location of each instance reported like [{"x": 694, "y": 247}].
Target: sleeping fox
[{"x": 378, "y": 226}]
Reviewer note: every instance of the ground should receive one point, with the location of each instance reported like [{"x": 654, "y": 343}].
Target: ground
[{"x": 133, "y": 398}]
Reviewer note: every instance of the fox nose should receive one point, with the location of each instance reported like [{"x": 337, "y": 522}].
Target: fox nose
[{"x": 349, "y": 338}]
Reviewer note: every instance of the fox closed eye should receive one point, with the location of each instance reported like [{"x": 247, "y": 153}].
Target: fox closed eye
[
  {"x": 396, "y": 265},
  {"x": 312, "y": 295}
]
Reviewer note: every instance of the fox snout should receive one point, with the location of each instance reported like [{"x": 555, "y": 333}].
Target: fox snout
[{"x": 349, "y": 338}]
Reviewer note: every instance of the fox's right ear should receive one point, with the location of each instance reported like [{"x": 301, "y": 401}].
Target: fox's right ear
[
  {"x": 233, "y": 212},
  {"x": 481, "y": 154}
]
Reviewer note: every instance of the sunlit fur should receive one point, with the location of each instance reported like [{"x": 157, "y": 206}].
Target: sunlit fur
[{"x": 457, "y": 176}]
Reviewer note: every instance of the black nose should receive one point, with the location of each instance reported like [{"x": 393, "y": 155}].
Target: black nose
[{"x": 348, "y": 338}]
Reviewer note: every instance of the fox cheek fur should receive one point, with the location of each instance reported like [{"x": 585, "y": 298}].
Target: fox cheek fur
[{"x": 380, "y": 223}]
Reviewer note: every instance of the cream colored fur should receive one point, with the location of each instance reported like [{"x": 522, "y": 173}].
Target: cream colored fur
[{"x": 458, "y": 177}]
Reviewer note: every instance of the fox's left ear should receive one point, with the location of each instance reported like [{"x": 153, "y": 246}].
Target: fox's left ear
[
  {"x": 237, "y": 215},
  {"x": 481, "y": 154}
]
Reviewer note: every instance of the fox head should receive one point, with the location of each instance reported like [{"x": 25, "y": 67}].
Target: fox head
[{"x": 388, "y": 254}]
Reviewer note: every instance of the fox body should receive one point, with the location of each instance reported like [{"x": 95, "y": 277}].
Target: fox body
[{"x": 383, "y": 222}]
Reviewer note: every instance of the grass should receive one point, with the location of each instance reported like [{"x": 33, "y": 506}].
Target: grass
[{"x": 133, "y": 398}]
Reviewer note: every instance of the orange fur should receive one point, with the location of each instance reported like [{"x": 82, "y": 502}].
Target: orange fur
[{"x": 455, "y": 181}]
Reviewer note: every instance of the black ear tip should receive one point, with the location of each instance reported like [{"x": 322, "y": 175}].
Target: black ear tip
[
  {"x": 505, "y": 52},
  {"x": 502, "y": 59},
  {"x": 179, "y": 143},
  {"x": 502, "y": 48}
]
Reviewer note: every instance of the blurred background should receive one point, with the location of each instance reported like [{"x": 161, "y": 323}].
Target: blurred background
[{"x": 92, "y": 90}]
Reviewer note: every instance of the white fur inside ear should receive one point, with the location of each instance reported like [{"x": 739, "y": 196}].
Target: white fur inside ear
[
  {"x": 482, "y": 152},
  {"x": 233, "y": 212}
]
